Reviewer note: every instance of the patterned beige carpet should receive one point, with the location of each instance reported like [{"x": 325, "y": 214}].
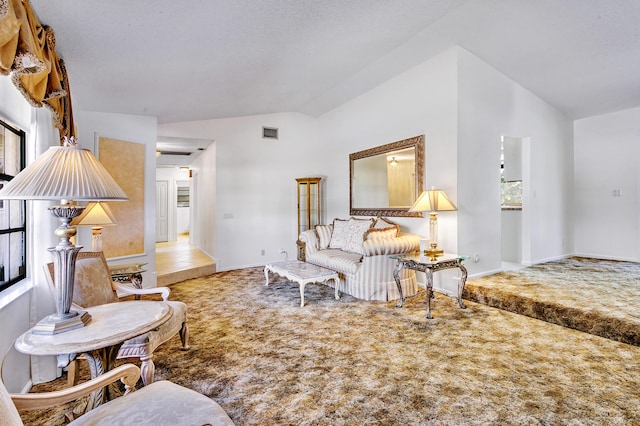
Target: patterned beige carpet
[
  {"x": 349, "y": 362},
  {"x": 600, "y": 297}
]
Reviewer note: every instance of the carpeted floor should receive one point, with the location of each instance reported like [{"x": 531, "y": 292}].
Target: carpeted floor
[
  {"x": 348, "y": 362},
  {"x": 600, "y": 297}
]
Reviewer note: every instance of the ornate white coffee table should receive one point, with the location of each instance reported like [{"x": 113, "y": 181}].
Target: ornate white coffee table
[{"x": 302, "y": 273}]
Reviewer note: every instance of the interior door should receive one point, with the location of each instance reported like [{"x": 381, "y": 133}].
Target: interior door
[{"x": 162, "y": 211}]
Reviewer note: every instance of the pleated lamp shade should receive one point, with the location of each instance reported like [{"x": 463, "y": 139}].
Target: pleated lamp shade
[
  {"x": 95, "y": 214},
  {"x": 64, "y": 173},
  {"x": 433, "y": 200}
]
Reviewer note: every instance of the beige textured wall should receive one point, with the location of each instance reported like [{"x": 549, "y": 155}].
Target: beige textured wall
[{"x": 125, "y": 161}]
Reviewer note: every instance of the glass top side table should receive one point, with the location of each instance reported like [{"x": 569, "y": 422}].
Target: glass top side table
[
  {"x": 429, "y": 265},
  {"x": 131, "y": 272}
]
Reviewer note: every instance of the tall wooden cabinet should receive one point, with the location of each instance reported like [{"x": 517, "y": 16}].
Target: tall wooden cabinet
[{"x": 309, "y": 207}]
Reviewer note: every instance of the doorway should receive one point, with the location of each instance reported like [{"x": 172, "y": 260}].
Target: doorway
[
  {"x": 514, "y": 169},
  {"x": 162, "y": 211}
]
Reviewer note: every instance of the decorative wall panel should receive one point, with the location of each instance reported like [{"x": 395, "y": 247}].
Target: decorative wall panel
[{"x": 125, "y": 161}]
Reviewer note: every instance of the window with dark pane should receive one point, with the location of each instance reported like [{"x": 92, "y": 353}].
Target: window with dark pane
[{"x": 12, "y": 212}]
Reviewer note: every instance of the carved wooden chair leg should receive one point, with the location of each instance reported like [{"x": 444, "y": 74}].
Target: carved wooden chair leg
[
  {"x": 147, "y": 369},
  {"x": 184, "y": 335},
  {"x": 72, "y": 373}
]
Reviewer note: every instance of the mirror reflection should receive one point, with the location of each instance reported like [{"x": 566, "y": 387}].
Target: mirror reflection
[{"x": 386, "y": 180}]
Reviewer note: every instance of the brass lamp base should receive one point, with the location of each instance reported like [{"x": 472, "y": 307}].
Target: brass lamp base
[
  {"x": 55, "y": 323},
  {"x": 433, "y": 252}
]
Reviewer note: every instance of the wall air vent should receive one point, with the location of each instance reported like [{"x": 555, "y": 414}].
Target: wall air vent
[
  {"x": 175, "y": 153},
  {"x": 269, "y": 133}
]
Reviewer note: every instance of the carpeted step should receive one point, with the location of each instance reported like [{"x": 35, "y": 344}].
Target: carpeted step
[{"x": 591, "y": 295}]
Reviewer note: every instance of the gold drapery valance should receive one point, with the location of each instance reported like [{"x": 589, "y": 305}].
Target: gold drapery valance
[{"x": 28, "y": 55}]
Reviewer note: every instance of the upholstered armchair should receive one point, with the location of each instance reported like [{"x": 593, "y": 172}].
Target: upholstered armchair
[
  {"x": 160, "y": 403},
  {"x": 94, "y": 286}
]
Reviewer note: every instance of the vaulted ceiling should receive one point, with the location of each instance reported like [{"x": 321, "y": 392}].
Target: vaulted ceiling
[{"x": 202, "y": 59}]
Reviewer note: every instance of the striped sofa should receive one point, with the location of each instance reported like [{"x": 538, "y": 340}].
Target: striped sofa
[{"x": 366, "y": 272}]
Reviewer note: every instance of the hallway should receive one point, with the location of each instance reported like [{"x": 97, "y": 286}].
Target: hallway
[{"x": 178, "y": 261}]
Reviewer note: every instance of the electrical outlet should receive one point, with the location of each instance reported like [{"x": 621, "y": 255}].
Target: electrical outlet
[
  {"x": 476, "y": 258},
  {"x": 262, "y": 252}
]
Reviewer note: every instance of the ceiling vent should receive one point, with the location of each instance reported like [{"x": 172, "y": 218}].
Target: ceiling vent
[
  {"x": 269, "y": 133},
  {"x": 174, "y": 153}
]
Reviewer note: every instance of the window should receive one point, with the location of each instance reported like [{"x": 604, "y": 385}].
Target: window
[
  {"x": 511, "y": 173},
  {"x": 12, "y": 212},
  {"x": 510, "y": 192},
  {"x": 183, "y": 196}
]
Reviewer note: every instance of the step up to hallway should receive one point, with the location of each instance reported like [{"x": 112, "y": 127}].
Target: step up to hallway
[
  {"x": 186, "y": 274},
  {"x": 179, "y": 261}
]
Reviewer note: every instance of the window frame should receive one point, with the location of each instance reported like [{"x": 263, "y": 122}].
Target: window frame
[{"x": 22, "y": 135}]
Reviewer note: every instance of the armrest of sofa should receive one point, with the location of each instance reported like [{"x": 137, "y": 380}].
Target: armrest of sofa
[
  {"x": 403, "y": 243},
  {"x": 310, "y": 238}
]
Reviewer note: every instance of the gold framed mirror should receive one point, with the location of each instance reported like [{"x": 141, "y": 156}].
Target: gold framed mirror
[{"x": 386, "y": 180}]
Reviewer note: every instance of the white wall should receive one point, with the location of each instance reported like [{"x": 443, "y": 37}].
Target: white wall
[
  {"x": 253, "y": 182},
  {"x": 422, "y": 100},
  {"x": 203, "y": 202},
  {"x": 511, "y": 235},
  {"x": 490, "y": 106},
  {"x": 137, "y": 129},
  {"x": 25, "y": 303},
  {"x": 462, "y": 105},
  {"x": 607, "y": 153},
  {"x": 182, "y": 220},
  {"x": 419, "y": 101}
]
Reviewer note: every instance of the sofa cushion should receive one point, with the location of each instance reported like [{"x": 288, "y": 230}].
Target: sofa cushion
[
  {"x": 382, "y": 229},
  {"x": 337, "y": 260},
  {"x": 380, "y": 234},
  {"x": 324, "y": 235}
]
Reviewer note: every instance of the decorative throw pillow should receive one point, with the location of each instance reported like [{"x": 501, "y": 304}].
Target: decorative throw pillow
[
  {"x": 382, "y": 223},
  {"x": 340, "y": 234},
  {"x": 324, "y": 235},
  {"x": 357, "y": 230}
]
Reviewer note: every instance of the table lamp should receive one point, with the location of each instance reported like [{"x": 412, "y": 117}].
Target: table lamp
[
  {"x": 433, "y": 201},
  {"x": 66, "y": 173},
  {"x": 95, "y": 214}
]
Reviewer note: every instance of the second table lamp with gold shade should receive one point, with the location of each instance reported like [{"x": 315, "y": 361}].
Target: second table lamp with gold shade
[
  {"x": 433, "y": 201},
  {"x": 97, "y": 215}
]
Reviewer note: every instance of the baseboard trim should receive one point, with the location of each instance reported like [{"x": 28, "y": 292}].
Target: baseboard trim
[{"x": 599, "y": 256}]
